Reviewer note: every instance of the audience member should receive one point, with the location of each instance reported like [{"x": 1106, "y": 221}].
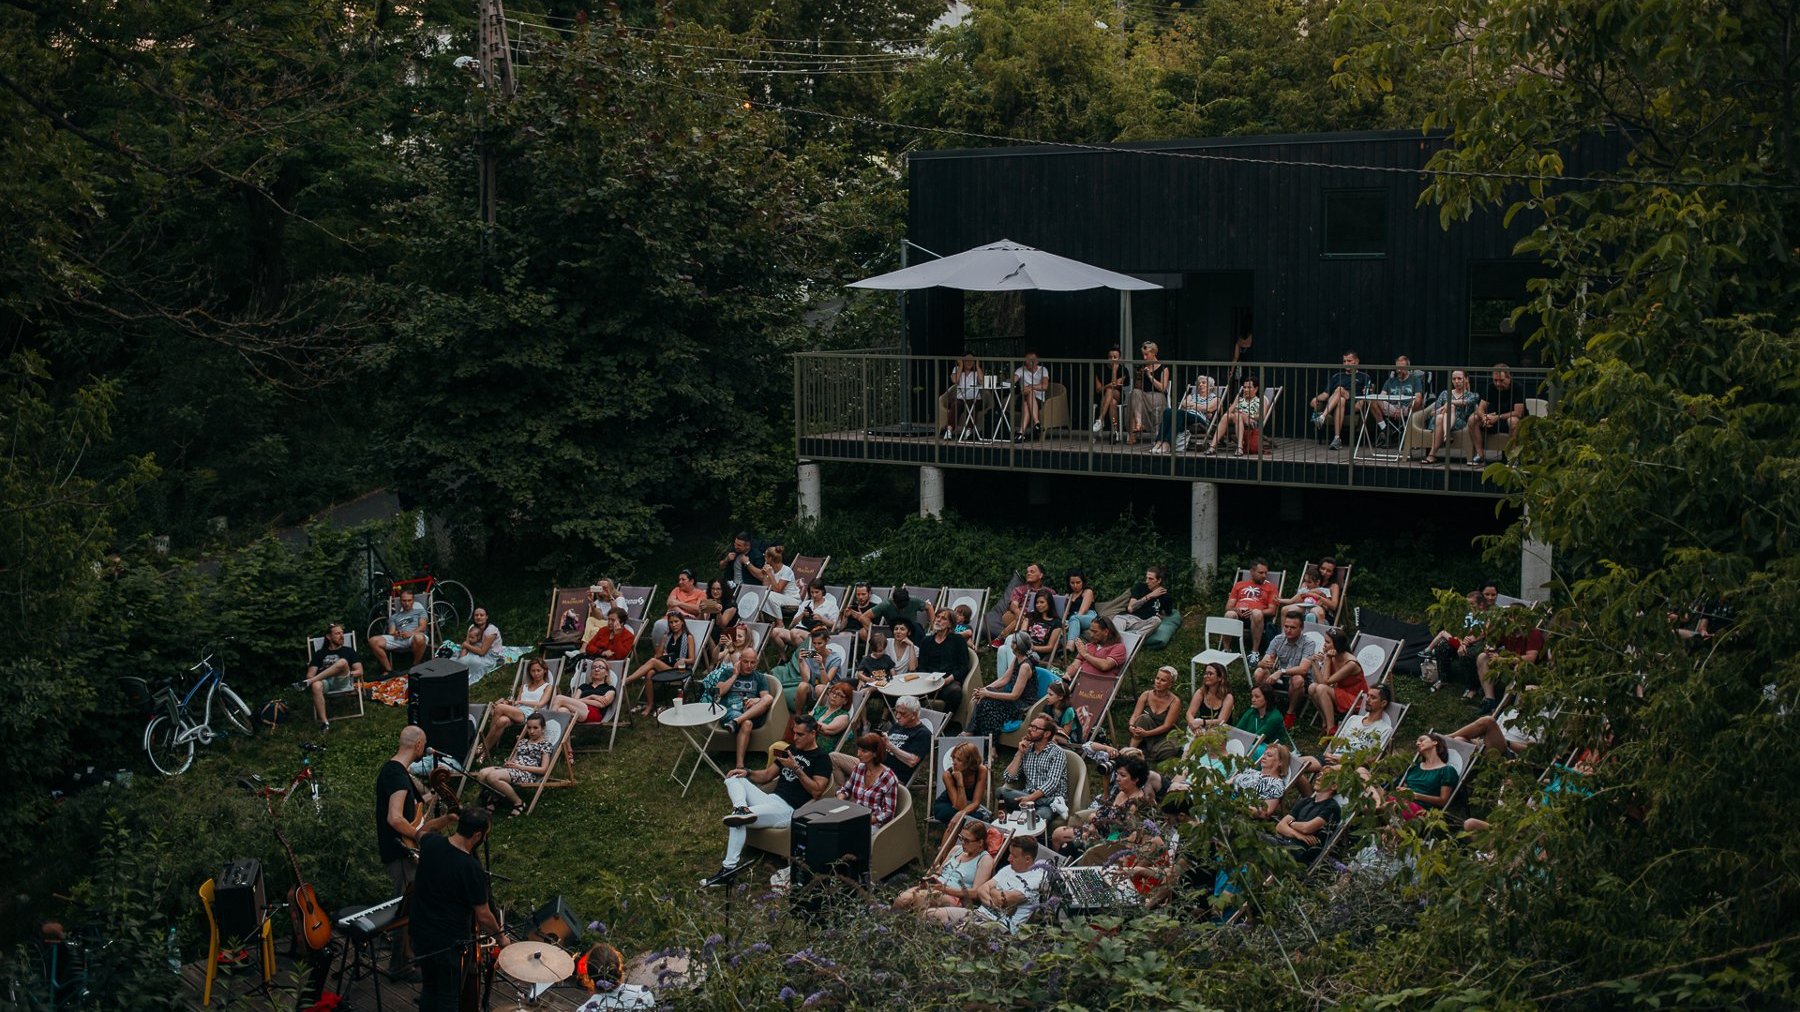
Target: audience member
[
  {"x": 1407, "y": 388},
  {"x": 872, "y": 784},
  {"x": 1101, "y": 653},
  {"x": 1009, "y": 897},
  {"x": 613, "y": 642},
  {"x": 1450, "y": 413},
  {"x": 1005, "y": 700},
  {"x": 1198, "y": 406},
  {"x": 743, "y": 693},
  {"x": 1369, "y": 729},
  {"x": 966, "y": 381},
  {"x": 1042, "y": 630},
  {"x": 1304, "y": 830},
  {"x": 530, "y": 762},
  {"x": 1158, "y": 712},
  {"x": 536, "y": 693},
  {"x": 1515, "y": 650},
  {"x": 1242, "y": 421},
  {"x": 778, "y": 578},
  {"x": 1212, "y": 703},
  {"x": 684, "y": 600},
  {"x": 877, "y": 665},
  {"x": 817, "y": 665},
  {"x": 1289, "y": 662},
  {"x": 799, "y": 774},
  {"x": 736, "y": 564},
  {"x": 1503, "y": 732},
  {"x": 1431, "y": 779},
  {"x": 1126, "y": 799},
  {"x": 818, "y": 610},
  {"x": 1338, "y": 681},
  {"x": 1252, "y": 600},
  {"x": 962, "y": 623},
  {"x": 677, "y": 653},
  {"x": 944, "y": 651},
  {"x": 1019, "y": 600},
  {"x": 905, "y": 650},
  {"x": 1148, "y": 604},
  {"x": 1040, "y": 768},
  {"x": 720, "y": 605},
  {"x": 1501, "y": 409},
  {"x": 1031, "y": 384},
  {"x": 1149, "y": 392},
  {"x": 903, "y": 609},
  {"x": 1267, "y": 781},
  {"x": 857, "y": 615},
  {"x": 1317, "y": 595},
  {"x": 1081, "y": 609},
  {"x": 965, "y": 787},
  {"x": 909, "y": 740},
  {"x": 833, "y": 714},
  {"x": 952, "y": 883},
  {"x": 1059, "y": 708},
  {"x": 1341, "y": 391},
  {"x": 1112, "y": 384},
  {"x": 1261, "y": 718},
  {"x": 333, "y": 660},
  {"x": 406, "y": 626},
  {"x": 481, "y": 650},
  {"x": 593, "y": 696}
]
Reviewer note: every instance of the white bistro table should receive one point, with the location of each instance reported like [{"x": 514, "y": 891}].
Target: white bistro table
[{"x": 688, "y": 717}]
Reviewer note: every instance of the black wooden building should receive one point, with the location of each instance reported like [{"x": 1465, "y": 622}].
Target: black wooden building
[{"x": 1315, "y": 243}]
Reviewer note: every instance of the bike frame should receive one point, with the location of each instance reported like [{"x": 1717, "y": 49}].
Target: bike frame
[{"x": 210, "y": 678}]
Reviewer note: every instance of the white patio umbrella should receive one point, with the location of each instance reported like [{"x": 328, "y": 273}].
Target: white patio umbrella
[{"x": 1007, "y": 266}]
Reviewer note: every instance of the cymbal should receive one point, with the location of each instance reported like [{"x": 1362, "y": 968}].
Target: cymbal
[{"x": 535, "y": 963}]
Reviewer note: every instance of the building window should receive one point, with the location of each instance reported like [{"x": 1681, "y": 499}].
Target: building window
[{"x": 1355, "y": 223}]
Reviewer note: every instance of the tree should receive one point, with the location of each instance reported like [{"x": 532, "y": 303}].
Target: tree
[{"x": 1652, "y": 143}]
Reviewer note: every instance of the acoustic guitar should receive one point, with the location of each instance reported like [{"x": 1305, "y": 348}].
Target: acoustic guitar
[
  {"x": 311, "y": 925},
  {"x": 444, "y": 799}
]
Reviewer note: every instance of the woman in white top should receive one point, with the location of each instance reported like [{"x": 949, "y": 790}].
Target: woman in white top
[
  {"x": 480, "y": 651},
  {"x": 966, "y": 380},
  {"x": 1031, "y": 382},
  {"x": 903, "y": 650},
  {"x": 537, "y": 693},
  {"x": 953, "y": 883},
  {"x": 818, "y": 607}
]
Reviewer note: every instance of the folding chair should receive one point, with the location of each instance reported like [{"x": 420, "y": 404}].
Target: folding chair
[
  {"x": 859, "y": 704},
  {"x": 1311, "y": 571},
  {"x": 346, "y": 685},
  {"x": 1210, "y": 654},
  {"x": 1271, "y": 397},
  {"x": 481, "y": 713},
  {"x": 1240, "y": 742},
  {"x": 568, "y": 615},
  {"x": 1396, "y": 713},
  {"x": 1185, "y": 437},
  {"x": 1092, "y": 696},
  {"x": 750, "y": 601},
  {"x": 637, "y": 600},
  {"x": 1377, "y": 655},
  {"x": 556, "y": 727},
  {"x": 615, "y": 676},
  {"x": 1134, "y": 641},
  {"x": 977, "y": 600},
  {"x": 930, "y": 595},
  {"x": 807, "y": 568},
  {"x": 759, "y": 636},
  {"x": 941, "y": 747}
]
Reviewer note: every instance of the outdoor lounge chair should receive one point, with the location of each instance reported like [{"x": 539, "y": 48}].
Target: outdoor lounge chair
[
  {"x": 941, "y": 747},
  {"x": 342, "y": 687}
]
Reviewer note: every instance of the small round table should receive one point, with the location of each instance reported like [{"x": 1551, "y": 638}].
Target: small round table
[
  {"x": 687, "y": 717},
  {"x": 1019, "y": 827},
  {"x": 915, "y": 684}
]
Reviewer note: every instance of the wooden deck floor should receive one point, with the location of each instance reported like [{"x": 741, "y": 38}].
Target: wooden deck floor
[{"x": 237, "y": 988}]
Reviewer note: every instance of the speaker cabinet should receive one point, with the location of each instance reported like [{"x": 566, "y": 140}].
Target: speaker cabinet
[
  {"x": 830, "y": 837},
  {"x": 437, "y": 699},
  {"x": 238, "y": 901}
]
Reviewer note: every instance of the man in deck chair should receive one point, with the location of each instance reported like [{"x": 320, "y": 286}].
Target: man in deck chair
[
  {"x": 333, "y": 659},
  {"x": 1306, "y": 828},
  {"x": 740, "y": 556},
  {"x": 1040, "y": 768},
  {"x": 405, "y": 631},
  {"x": 1291, "y": 661},
  {"x": 1253, "y": 601},
  {"x": 902, "y": 607}
]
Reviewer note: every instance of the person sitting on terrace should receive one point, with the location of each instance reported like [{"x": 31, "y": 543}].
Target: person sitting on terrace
[
  {"x": 1005, "y": 700},
  {"x": 530, "y": 762},
  {"x": 833, "y": 714},
  {"x": 1158, "y": 712},
  {"x": 1101, "y": 653},
  {"x": 905, "y": 651},
  {"x": 817, "y": 665},
  {"x": 909, "y": 740},
  {"x": 1126, "y": 800},
  {"x": 1212, "y": 704},
  {"x": 944, "y": 651},
  {"x": 1242, "y": 420},
  {"x": 872, "y": 784},
  {"x": 966, "y": 381},
  {"x": 1149, "y": 603},
  {"x": 952, "y": 883},
  {"x": 684, "y": 600},
  {"x": 1149, "y": 392},
  {"x": 406, "y": 626},
  {"x": 1018, "y": 601},
  {"x": 1339, "y": 395},
  {"x": 1517, "y": 650},
  {"x": 334, "y": 659},
  {"x": 903, "y": 609},
  {"x": 799, "y": 774},
  {"x": 1317, "y": 594},
  {"x": 1404, "y": 391},
  {"x": 1031, "y": 383},
  {"x": 1450, "y": 413},
  {"x": 1261, "y": 718},
  {"x": 1112, "y": 383},
  {"x": 1042, "y": 628},
  {"x": 481, "y": 650},
  {"x": 536, "y": 694},
  {"x": 1009, "y": 897},
  {"x": 1267, "y": 781},
  {"x": 1081, "y": 608},
  {"x": 876, "y": 665},
  {"x": 965, "y": 787},
  {"x": 857, "y": 615},
  {"x": 613, "y": 642},
  {"x": 1197, "y": 407},
  {"x": 1253, "y": 601},
  {"x": 676, "y": 653},
  {"x": 593, "y": 698},
  {"x": 744, "y": 695},
  {"x": 1304, "y": 830},
  {"x": 778, "y": 578},
  {"x": 819, "y": 609},
  {"x": 1500, "y": 411},
  {"x": 1338, "y": 680},
  {"x": 1040, "y": 769}
]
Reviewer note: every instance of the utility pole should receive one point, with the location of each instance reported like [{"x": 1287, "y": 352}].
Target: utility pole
[{"x": 492, "y": 49}]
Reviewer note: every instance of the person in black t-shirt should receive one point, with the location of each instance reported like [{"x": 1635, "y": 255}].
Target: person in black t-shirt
[
  {"x": 1148, "y": 603},
  {"x": 876, "y": 664},
  {"x": 333, "y": 659},
  {"x": 909, "y": 740},
  {"x": 449, "y": 908},
  {"x": 397, "y": 801},
  {"x": 1502, "y": 405},
  {"x": 946, "y": 652},
  {"x": 1305, "y": 829},
  {"x": 799, "y": 775}
]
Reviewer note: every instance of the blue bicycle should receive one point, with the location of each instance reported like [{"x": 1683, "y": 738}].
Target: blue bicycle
[{"x": 170, "y": 736}]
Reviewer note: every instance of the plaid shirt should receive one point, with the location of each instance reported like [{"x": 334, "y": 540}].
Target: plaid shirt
[
  {"x": 1289, "y": 654},
  {"x": 880, "y": 798},
  {"x": 1045, "y": 770}
]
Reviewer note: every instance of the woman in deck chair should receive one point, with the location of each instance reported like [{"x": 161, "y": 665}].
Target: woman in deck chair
[
  {"x": 1242, "y": 420},
  {"x": 1004, "y": 701},
  {"x": 593, "y": 699},
  {"x": 675, "y": 654},
  {"x": 530, "y": 762},
  {"x": 833, "y": 714},
  {"x": 965, "y": 787},
  {"x": 1212, "y": 704},
  {"x": 537, "y": 693},
  {"x": 1338, "y": 682},
  {"x": 1431, "y": 779},
  {"x": 818, "y": 609},
  {"x": 1112, "y": 817},
  {"x": 1317, "y": 593},
  {"x": 952, "y": 883}
]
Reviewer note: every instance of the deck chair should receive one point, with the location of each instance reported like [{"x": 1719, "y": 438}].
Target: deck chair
[
  {"x": 346, "y": 686},
  {"x": 1396, "y": 713},
  {"x": 1311, "y": 570},
  {"x": 567, "y": 619},
  {"x": 1239, "y": 742},
  {"x": 1191, "y": 433},
  {"x": 615, "y": 676},
  {"x": 1377, "y": 655},
  {"x": 1271, "y": 397},
  {"x": 977, "y": 600},
  {"x": 1222, "y": 629},
  {"x": 759, "y": 636},
  {"x": 1092, "y": 695},
  {"x": 859, "y": 706},
  {"x": 1463, "y": 755},
  {"x": 481, "y": 713},
  {"x": 933, "y": 596},
  {"x": 941, "y": 748},
  {"x": 1134, "y": 644},
  {"x": 637, "y": 600},
  {"x": 556, "y": 726},
  {"x": 807, "y": 568},
  {"x": 1276, "y": 576}
]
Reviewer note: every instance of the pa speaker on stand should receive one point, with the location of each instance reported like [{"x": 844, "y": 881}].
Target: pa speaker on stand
[{"x": 437, "y": 699}]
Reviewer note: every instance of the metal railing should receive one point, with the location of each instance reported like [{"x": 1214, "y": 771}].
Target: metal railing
[{"x": 882, "y": 407}]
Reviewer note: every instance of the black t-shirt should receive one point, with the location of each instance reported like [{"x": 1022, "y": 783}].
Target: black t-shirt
[
  {"x": 787, "y": 783},
  {"x": 1156, "y": 607},
  {"x": 326, "y": 656},
  {"x": 875, "y": 665},
  {"x": 449, "y": 886},
  {"x": 950, "y": 656},
  {"x": 1305, "y": 810},
  {"x": 913, "y": 615},
  {"x": 915, "y": 739},
  {"x": 392, "y": 778},
  {"x": 589, "y": 690},
  {"x": 1499, "y": 401}
]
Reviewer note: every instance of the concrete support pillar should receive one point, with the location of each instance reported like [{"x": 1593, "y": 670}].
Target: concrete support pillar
[
  {"x": 809, "y": 490},
  {"x": 931, "y": 491},
  {"x": 1534, "y": 566},
  {"x": 1203, "y": 523}
]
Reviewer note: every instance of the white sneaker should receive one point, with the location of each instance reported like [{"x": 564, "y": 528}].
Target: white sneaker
[
  {"x": 1181, "y": 442},
  {"x": 1096, "y": 425}
]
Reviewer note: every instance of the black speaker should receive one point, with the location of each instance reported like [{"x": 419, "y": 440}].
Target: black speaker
[
  {"x": 238, "y": 902},
  {"x": 437, "y": 699},
  {"x": 830, "y": 837}
]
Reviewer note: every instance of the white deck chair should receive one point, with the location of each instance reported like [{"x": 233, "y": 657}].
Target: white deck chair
[
  {"x": 941, "y": 747},
  {"x": 615, "y": 676},
  {"x": 339, "y": 688},
  {"x": 1396, "y": 714},
  {"x": 859, "y": 705},
  {"x": 1239, "y": 742},
  {"x": 933, "y": 596},
  {"x": 1377, "y": 655},
  {"x": 1276, "y": 576},
  {"x": 750, "y": 601},
  {"x": 1222, "y": 629},
  {"x": 759, "y": 636},
  {"x": 1185, "y": 435},
  {"x": 637, "y": 600},
  {"x": 977, "y": 600}
]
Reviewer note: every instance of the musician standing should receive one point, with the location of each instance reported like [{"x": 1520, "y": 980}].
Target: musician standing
[
  {"x": 397, "y": 805},
  {"x": 449, "y": 908}
]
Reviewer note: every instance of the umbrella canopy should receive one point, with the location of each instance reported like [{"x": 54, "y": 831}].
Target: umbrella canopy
[{"x": 1005, "y": 266}]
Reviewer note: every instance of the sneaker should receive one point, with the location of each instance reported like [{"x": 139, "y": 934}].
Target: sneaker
[
  {"x": 948, "y": 434},
  {"x": 1287, "y": 721},
  {"x": 997, "y": 642},
  {"x": 301, "y": 687},
  {"x": 1020, "y": 438},
  {"x": 1096, "y": 426},
  {"x": 720, "y": 877},
  {"x": 1255, "y": 657},
  {"x": 1336, "y": 443},
  {"x": 1318, "y": 419},
  {"x": 323, "y": 727},
  {"x": 1181, "y": 442},
  {"x": 1477, "y": 461},
  {"x": 739, "y": 816}
]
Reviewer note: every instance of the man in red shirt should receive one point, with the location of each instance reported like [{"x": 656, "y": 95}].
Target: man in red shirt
[
  {"x": 1253, "y": 601},
  {"x": 1526, "y": 647}
]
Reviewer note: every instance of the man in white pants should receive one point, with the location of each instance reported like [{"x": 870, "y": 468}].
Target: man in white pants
[{"x": 799, "y": 774}]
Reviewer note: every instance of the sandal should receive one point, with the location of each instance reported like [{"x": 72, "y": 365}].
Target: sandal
[
  {"x": 1430, "y": 458},
  {"x": 517, "y": 810},
  {"x": 1237, "y": 451}
]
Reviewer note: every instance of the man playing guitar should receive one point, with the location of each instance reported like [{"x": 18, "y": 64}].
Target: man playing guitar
[{"x": 400, "y": 820}]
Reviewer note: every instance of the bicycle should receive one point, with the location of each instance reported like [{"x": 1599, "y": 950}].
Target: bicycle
[
  {"x": 170, "y": 736},
  {"x": 308, "y": 775}
]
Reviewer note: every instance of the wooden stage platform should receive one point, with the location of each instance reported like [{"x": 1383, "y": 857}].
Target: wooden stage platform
[{"x": 237, "y": 988}]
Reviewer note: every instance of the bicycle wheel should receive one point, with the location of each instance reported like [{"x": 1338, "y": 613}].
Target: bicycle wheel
[
  {"x": 236, "y": 710},
  {"x": 445, "y": 620},
  {"x": 457, "y": 596},
  {"x": 169, "y": 757}
]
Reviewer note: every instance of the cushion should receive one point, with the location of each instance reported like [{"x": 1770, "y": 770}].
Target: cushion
[{"x": 1164, "y": 632}]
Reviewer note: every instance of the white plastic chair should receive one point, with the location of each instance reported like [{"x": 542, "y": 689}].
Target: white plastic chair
[{"x": 1220, "y": 627}]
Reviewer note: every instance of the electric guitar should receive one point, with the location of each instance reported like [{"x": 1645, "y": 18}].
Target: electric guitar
[{"x": 311, "y": 925}]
